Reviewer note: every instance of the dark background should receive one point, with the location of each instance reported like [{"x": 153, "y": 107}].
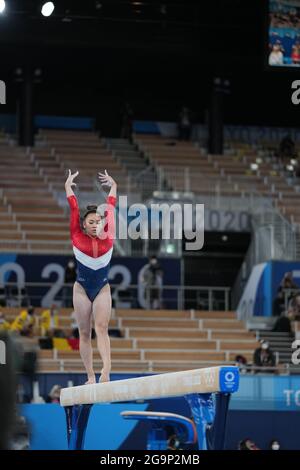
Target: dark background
[{"x": 158, "y": 55}]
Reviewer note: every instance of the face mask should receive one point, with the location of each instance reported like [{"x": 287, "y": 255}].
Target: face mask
[{"x": 275, "y": 446}]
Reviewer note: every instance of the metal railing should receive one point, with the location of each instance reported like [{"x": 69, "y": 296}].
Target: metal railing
[
  {"x": 279, "y": 369},
  {"x": 132, "y": 296}
]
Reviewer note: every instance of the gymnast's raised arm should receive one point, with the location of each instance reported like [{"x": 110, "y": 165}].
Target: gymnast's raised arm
[
  {"x": 107, "y": 180},
  {"x": 72, "y": 200}
]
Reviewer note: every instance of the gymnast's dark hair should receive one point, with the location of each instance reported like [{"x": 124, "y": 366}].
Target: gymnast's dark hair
[{"x": 91, "y": 209}]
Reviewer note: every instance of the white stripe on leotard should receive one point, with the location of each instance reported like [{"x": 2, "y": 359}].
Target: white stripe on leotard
[{"x": 93, "y": 263}]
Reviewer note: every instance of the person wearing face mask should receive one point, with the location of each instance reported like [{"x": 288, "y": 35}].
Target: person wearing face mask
[
  {"x": 274, "y": 445},
  {"x": 151, "y": 277},
  {"x": 264, "y": 359}
]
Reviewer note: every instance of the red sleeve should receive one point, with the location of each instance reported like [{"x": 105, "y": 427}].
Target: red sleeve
[
  {"x": 74, "y": 216},
  {"x": 112, "y": 200}
]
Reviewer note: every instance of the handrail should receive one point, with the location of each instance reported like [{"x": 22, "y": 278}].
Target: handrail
[
  {"x": 214, "y": 297},
  {"x": 283, "y": 369}
]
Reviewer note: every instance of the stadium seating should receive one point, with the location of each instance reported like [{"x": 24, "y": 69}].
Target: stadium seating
[{"x": 157, "y": 340}]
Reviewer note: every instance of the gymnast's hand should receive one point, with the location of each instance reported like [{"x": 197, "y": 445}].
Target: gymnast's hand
[
  {"x": 106, "y": 180},
  {"x": 70, "y": 182}
]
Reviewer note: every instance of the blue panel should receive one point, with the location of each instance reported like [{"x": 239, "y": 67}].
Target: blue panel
[
  {"x": 61, "y": 122},
  {"x": 7, "y": 258},
  {"x": 8, "y": 122},
  {"x": 34, "y": 265},
  {"x": 145, "y": 127},
  {"x": 267, "y": 392},
  {"x": 48, "y": 426},
  {"x": 106, "y": 428}
]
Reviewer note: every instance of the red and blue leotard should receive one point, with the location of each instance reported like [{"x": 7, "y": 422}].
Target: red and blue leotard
[{"x": 92, "y": 254}]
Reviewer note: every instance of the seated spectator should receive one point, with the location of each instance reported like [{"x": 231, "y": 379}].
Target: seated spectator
[
  {"x": 49, "y": 321},
  {"x": 54, "y": 394},
  {"x": 241, "y": 362},
  {"x": 274, "y": 445},
  {"x": 276, "y": 55},
  {"x": 19, "y": 322},
  {"x": 4, "y": 325},
  {"x": 288, "y": 282},
  {"x": 263, "y": 357},
  {"x": 247, "y": 444},
  {"x": 25, "y": 322}
]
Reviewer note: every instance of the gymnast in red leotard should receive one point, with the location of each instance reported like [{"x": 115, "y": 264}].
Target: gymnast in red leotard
[{"x": 93, "y": 246}]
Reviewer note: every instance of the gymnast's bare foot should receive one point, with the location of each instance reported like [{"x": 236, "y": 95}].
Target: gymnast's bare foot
[
  {"x": 91, "y": 380},
  {"x": 104, "y": 377}
]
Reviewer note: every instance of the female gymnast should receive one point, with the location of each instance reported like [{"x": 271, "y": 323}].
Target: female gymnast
[{"x": 93, "y": 246}]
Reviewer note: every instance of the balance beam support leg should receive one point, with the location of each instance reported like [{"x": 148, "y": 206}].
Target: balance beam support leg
[
  {"x": 209, "y": 412},
  {"x": 77, "y": 420}
]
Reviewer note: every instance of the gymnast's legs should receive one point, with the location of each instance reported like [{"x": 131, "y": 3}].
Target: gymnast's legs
[
  {"x": 102, "y": 313},
  {"x": 83, "y": 313}
]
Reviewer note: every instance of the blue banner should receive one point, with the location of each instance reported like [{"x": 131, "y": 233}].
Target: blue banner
[{"x": 50, "y": 269}]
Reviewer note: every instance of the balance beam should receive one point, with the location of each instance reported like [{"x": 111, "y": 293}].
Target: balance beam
[
  {"x": 174, "y": 384},
  {"x": 196, "y": 385}
]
